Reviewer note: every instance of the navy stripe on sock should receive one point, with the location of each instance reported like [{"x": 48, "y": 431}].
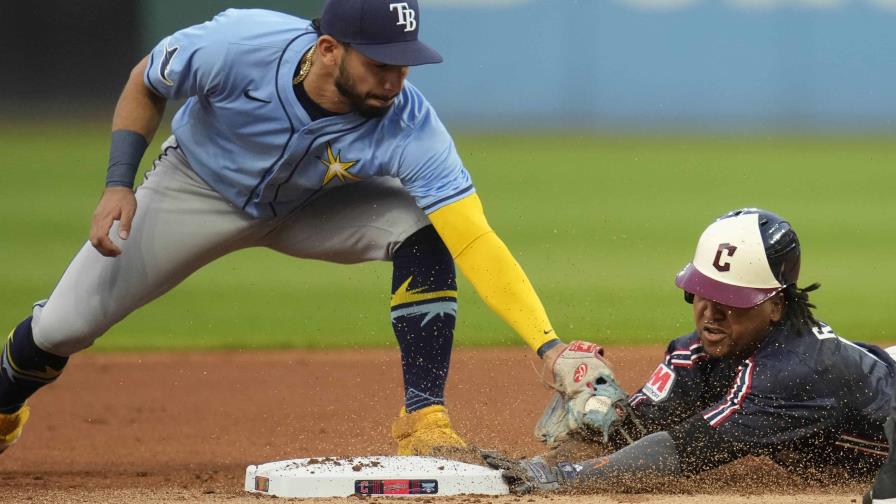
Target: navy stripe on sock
[
  {"x": 25, "y": 368},
  {"x": 424, "y": 327}
]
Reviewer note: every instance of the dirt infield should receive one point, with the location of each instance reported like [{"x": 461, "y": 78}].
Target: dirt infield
[{"x": 182, "y": 427}]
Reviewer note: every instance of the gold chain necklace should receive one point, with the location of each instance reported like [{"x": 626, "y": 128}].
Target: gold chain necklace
[{"x": 306, "y": 66}]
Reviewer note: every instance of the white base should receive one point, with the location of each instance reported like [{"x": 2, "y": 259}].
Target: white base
[{"x": 393, "y": 476}]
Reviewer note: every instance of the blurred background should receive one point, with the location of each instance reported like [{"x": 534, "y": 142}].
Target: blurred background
[{"x": 602, "y": 135}]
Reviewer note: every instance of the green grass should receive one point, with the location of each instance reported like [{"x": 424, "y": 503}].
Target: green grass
[{"x": 600, "y": 223}]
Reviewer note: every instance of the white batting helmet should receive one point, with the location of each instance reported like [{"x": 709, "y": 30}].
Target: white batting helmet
[{"x": 743, "y": 258}]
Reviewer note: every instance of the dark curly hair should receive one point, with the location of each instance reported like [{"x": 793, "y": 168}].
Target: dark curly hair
[{"x": 797, "y": 308}]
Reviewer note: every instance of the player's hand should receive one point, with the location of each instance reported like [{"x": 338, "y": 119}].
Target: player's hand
[
  {"x": 531, "y": 475},
  {"x": 117, "y": 204}
]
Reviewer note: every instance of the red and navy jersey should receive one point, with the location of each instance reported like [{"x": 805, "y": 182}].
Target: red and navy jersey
[{"x": 804, "y": 397}]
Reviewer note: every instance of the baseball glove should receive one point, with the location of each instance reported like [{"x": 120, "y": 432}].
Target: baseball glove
[{"x": 588, "y": 401}]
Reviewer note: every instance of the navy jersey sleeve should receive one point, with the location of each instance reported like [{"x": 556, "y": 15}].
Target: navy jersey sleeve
[
  {"x": 191, "y": 61},
  {"x": 429, "y": 166},
  {"x": 806, "y": 393},
  {"x": 767, "y": 408},
  {"x": 671, "y": 394}
]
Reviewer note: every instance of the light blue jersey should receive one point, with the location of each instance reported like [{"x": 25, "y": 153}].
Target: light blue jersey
[{"x": 245, "y": 133}]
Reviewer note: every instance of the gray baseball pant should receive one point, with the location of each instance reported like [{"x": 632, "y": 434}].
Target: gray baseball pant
[{"x": 182, "y": 224}]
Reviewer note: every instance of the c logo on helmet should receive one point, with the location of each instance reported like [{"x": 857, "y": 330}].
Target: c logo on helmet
[
  {"x": 729, "y": 249},
  {"x": 579, "y": 373}
]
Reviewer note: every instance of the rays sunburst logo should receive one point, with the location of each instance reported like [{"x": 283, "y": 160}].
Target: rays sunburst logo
[{"x": 337, "y": 168}]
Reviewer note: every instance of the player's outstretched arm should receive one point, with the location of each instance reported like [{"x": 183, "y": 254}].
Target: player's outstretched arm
[
  {"x": 137, "y": 116},
  {"x": 648, "y": 462},
  {"x": 494, "y": 273},
  {"x": 588, "y": 394}
]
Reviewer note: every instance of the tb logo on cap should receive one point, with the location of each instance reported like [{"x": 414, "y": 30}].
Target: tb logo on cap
[
  {"x": 406, "y": 15},
  {"x": 729, "y": 249}
]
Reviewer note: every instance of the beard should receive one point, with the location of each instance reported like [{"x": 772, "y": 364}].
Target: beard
[{"x": 345, "y": 84}]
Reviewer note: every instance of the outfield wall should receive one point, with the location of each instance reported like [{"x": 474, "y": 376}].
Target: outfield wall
[{"x": 669, "y": 64}]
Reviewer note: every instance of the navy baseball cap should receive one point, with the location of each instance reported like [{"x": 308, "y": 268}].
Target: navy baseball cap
[{"x": 383, "y": 30}]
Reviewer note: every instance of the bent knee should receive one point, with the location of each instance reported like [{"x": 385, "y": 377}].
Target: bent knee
[{"x": 64, "y": 335}]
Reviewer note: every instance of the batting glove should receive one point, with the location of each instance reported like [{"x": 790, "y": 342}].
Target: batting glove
[{"x": 532, "y": 475}]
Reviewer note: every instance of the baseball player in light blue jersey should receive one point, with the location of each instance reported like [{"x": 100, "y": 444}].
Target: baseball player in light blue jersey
[{"x": 302, "y": 137}]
